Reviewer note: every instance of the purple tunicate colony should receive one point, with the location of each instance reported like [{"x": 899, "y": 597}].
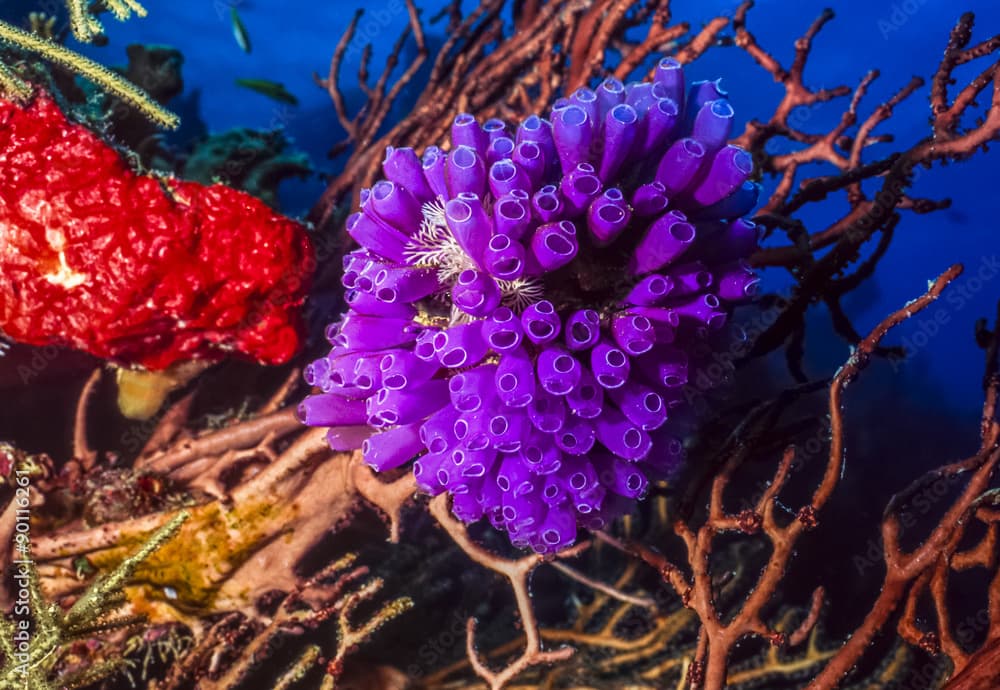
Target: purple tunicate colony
[{"x": 527, "y": 309}]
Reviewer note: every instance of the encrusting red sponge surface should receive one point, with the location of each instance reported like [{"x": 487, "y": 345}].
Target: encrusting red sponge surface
[{"x": 134, "y": 268}]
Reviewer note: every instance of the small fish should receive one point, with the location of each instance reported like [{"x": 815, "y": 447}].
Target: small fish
[
  {"x": 239, "y": 30},
  {"x": 271, "y": 89}
]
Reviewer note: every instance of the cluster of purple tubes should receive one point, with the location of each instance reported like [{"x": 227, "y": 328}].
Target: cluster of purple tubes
[{"x": 527, "y": 310}]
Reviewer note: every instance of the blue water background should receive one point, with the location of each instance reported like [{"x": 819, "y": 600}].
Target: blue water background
[{"x": 941, "y": 380}]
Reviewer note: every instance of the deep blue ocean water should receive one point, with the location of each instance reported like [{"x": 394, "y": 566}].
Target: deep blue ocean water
[
  {"x": 940, "y": 380},
  {"x": 904, "y": 417}
]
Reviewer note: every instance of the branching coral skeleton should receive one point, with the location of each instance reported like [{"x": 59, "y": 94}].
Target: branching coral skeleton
[{"x": 262, "y": 492}]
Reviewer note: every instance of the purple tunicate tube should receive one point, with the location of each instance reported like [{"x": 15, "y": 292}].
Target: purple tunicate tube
[
  {"x": 431, "y": 472},
  {"x": 573, "y": 134},
  {"x": 328, "y": 409},
  {"x": 633, "y": 333},
  {"x": 424, "y": 345},
  {"x": 548, "y": 204},
  {"x": 473, "y": 388},
  {"x": 547, "y": 412},
  {"x": 505, "y": 258},
  {"x": 680, "y": 165},
  {"x": 610, "y": 93},
  {"x": 650, "y": 290},
  {"x": 538, "y": 454},
  {"x": 366, "y": 376},
  {"x": 471, "y": 429},
  {"x": 522, "y": 514},
  {"x": 558, "y": 370},
  {"x": 475, "y": 293},
  {"x": 341, "y": 369},
  {"x": 465, "y": 172},
  {"x": 668, "y": 237},
  {"x": 404, "y": 285},
  {"x": 403, "y": 167},
  {"x": 583, "y": 330},
  {"x": 700, "y": 93},
  {"x": 640, "y": 96},
  {"x": 465, "y": 131},
  {"x": 529, "y": 157},
  {"x": 507, "y": 428},
  {"x": 400, "y": 368},
  {"x": 390, "y": 449},
  {"x": 370, "y": 305},
  {"x": 621, "y": 130},
  {"x": 729, "y": 169},
  {"x": 641, "y": 405},
  {"x": 511, "y": 216},
  {"x": 512, "y": 476},
  {"x": 366, "y": 278},
  {"x": 469, "y": 224},
  {"x": 586, "y": 400},
  {"x": 433, "y": 162},
  {"x": 495, "y": 127},
  {"x": 466, "y": 506},
  {"x": 737, "y": 283},
  {"x": 623, "y": 478},
  {"x": 505, "y": 177},
  {"x": 554, "y": 245},
  {"x": 669, "y": 74},
  {"x": 348, "y": 437},
  {"x": 713, "y": 124},
  {"x": 515, "y": 378},
  {"x": 690, "y": 278},
  {"x": 386, "y": 242},
  {"x": 650, "y": 199},
  {"x": 499, "y": 148},
  {"x": 354, "y": 262},
  {"x": 503, "y": 330},
  {"x": 539, "y": 132},
  {"x": 586, "y": 99},
  {"x": 609, "y": 364},
  {"x": 608, "y": 216},
  {"x": 577, "y": 437},
  {"x": 360, "y": 332},
  {"x": 474, "y": 464},
  {"x": 703, "y": 309},
  {"x": 541, "y": 323},
  {"x": 556, "y": 531},
  {"x": 620, "y": 436},
  {"x": 438, "y": 432},
  {"x": 553, "y": 491},
  {"x": 668, "y": 458},
  {"x": 665, "y": 365},
  {"x": 739, "y": 203},
  {"x": 739, "y": 239},
  {"x": 579, "y": 188},
  {"x": 534, "y": 129},
  {"x": 461, "y": 346},
  {"x": 315, "y": 371},
  {"x": 579, "y": 477},
  {"x": 662, "y": 122},
  {"x": 388, "y": 407}
]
